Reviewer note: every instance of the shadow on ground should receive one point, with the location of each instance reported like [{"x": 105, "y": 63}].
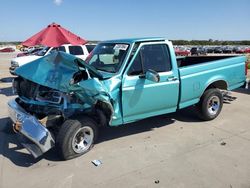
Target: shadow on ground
[
  {"x": 7, "y": 91},
  {"x": 110, "y": 133},
  {"x": 13, "y": 150},
  {"x": 7, "y": 79},
  {"x": 243, "y": 90}
]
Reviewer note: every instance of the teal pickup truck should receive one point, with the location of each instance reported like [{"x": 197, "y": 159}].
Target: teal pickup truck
[{"x": 62, "y": 100}]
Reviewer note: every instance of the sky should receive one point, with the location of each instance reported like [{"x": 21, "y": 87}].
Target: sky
[{"x": 112, "y": 19}]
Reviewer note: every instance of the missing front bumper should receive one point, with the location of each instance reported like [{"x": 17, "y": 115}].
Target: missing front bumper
[{"x": 33, "y": 135}]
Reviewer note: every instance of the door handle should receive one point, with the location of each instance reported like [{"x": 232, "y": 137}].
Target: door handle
[{"x": 172, "y": 78}]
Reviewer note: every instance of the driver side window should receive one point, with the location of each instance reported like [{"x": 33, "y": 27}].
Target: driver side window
[
  {"x": 155, "y": 57},
  {"x": 136, "y": 68}
]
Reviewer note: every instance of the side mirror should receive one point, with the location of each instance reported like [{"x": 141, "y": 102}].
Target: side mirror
[{"x": 152, "y": 76}]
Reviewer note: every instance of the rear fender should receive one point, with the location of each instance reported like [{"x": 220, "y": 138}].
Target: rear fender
[{"x": 216, "y": 82}]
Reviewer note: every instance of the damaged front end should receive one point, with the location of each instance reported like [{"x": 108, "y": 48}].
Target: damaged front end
[
  {"x": 33, "y": 135},
  {"x": 51, "y": 90}
]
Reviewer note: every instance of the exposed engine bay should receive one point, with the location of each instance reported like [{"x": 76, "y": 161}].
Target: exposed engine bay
[
  {"x": 42, "y": 101},
  {"x": 49, "y": 105},
  {"x": 56, "y": 90}
]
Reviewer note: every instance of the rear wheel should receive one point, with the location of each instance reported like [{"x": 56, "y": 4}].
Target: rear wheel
[
  {"x": 210, "y": 104},
  {"x": 76, "y": 137}
]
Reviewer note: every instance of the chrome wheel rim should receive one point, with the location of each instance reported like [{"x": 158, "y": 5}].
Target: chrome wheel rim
[
  {"x": 213, "y": 105},
  {"x": 83, "y": 139}
]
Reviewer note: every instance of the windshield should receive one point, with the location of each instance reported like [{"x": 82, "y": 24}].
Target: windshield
[
  {"x": 108, "y": 57},
  {"x": 43, "y": 51}
]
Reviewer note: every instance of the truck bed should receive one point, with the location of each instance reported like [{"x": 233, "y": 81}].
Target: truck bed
[
  {"x": 198, "y": 73},
  {"x": 193, "y": 60}
]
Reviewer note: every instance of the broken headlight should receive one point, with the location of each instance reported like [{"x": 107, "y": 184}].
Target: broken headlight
[{"x": 49, "y": 96}]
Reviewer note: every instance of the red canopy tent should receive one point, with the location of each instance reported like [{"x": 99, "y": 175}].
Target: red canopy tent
[{"x": 53, "y": 36}]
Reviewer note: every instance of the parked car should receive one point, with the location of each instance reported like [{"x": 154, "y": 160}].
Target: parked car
[
  {"x": 218, "y": 50},
  {"x": 247, "y": 50},
  {"x": 227, "y": 50},
  {"x": 30, "y": 52},
  {"x": 29, "y": 48},
  {"x": 123, "y": 81},
  {"x": 210, "y": 49},
  {"x": 182, "y": 51},
  {"x": 198, "y": 51},
  {"x": 234, "y": 49},
  {"x": 239, "y": 50},
  {"x": 19, "y": 47},
  {"x": 7, "y": 49},
  {"x": 81, "y": 51}
]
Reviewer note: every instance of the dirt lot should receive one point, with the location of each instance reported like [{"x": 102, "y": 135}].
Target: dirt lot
[{"x": 174, "y": 150}]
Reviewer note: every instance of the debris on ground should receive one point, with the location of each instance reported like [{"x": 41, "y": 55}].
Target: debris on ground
[
  {"x": 223, "y": 143},
  {"x": 96, "y": 162},
  {"x": 157, "y": 181}
]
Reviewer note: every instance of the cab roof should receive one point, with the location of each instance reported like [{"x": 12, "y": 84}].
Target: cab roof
[{"x": 133, "y": 40}]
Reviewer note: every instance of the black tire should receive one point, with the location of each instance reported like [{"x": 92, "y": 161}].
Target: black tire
[
  {"x": 67, "y": 132},
  {"x": 210, "y": 104},
  {"x": 8, "y": 126}
]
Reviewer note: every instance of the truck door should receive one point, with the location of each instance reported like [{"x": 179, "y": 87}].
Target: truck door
[{"x": 143, "y": 98}]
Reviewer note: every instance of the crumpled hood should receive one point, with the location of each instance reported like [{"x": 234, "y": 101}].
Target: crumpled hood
[{"x": 54, "y": 70}]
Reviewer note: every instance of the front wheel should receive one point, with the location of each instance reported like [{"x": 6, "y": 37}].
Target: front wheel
[
  {"x": 210, "y": 104},
  {"x": 76, "y": 137}
]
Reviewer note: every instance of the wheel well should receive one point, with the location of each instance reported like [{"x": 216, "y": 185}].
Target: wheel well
[
  {"x": 104, "y": 113},
  {"x": 220, "y": 84}
]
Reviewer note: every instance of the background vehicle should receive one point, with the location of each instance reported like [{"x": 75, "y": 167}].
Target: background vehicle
[
  {"x": 247, "y": 50},
  {"x": 19, "y": 47},
  {"x": 210, "y": 49},
  {"x": 198, "y": 51},
  {"x": 8, "y": 49},
  {"x": 80, "y": 51},
  {"x": 123, "y": 81},
  {"x": 227, "y": 50},
  {"x": 239, "y": 50},
  {"x": 30, "y": 52},
  {"x": 218, "y": 50},
  {"x": 181, "y": 51}
]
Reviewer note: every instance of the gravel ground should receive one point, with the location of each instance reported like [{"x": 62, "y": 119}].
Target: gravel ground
[{"x": 174, "y": 150}]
